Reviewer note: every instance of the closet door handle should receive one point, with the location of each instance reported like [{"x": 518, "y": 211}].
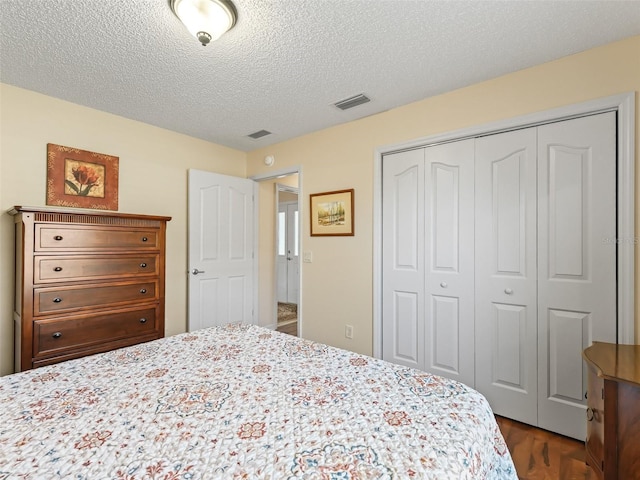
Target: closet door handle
[
  {"x": 443, "y": 284},
  {"x": 590, "y": 415},
  {"x": 508, "y": 291}
]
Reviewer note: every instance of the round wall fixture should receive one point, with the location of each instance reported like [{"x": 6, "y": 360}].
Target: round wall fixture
[{"x": 269, "y": 160}]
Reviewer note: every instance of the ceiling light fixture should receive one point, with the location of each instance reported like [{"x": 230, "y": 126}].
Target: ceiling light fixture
[{"x": 206, "y": 20}]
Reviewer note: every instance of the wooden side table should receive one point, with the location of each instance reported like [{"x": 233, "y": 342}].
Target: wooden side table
[{"x": 613, "y": 413}]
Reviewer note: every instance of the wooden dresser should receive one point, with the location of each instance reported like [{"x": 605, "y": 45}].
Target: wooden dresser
[
  {"x": 86, "y": 282},
  {"x": 613, "y": 413}
]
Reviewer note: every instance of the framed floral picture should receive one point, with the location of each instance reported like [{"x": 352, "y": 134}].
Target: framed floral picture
[
  {"x": 332, "y": 213},
  {"x": 81, "y": 179}
]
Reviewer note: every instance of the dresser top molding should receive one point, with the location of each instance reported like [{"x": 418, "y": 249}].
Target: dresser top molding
[
  {"x": 615, "y": 361},
  {"x": 89, "y": 213}
]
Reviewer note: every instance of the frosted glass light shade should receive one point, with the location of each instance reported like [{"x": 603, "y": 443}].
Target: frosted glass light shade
[{"x": 206, "y": 20}]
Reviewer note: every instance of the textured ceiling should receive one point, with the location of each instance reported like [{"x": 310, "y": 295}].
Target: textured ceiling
[{"x": 286, "y": 61}]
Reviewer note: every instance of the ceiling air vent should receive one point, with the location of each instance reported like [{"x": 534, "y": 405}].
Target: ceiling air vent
[
  {"x": 259, "y": 134},
  {"x": 352, "y": 101}
]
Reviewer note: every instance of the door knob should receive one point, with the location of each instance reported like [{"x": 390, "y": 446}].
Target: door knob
[
  {"x": 508, "y": 291},
  {"x": 443, "y": 284},
  {"x": 195, "y": 271}
]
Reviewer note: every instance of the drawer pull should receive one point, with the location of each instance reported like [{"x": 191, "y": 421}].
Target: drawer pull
[
  {"x": 143, "y": 320},
  {"x": 58, "y": 237},
  {"x": 143, "y": 265},
  {"x": 590, "y": 414},
  {"x": 144, "y": 239},
  {"x": 143, "y": 290},
  {"x": 57, "y": 335},
  {"x": 57, "y": 300},
  {"x": 57, "y": 269}
]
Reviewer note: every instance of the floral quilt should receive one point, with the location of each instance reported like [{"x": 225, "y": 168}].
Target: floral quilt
[{"x": 243, "y": 402}]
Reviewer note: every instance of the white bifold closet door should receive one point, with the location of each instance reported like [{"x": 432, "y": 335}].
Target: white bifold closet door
[
  {"x": 499, "y": 264},
  {"x": 449, "y": 321},
  {"x": 576, "y": 262},
  {"x": 403, "y": 280},
  {"x": 505, "y": 273},
  {"x": 428, "y": 260},
  {"x": 545, "y": 266}
]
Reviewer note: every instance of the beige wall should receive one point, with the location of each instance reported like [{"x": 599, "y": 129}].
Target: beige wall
[
  {"x": 337, "y": 286},
  {"x": 153, "y": 180}
]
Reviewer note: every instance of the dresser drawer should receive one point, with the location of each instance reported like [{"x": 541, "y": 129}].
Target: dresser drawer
[
  {"x": 57, "y": 335},
  {"x": 48, "y": 300},
  {"x": 49, "y": 269},
  {"x": 53, "y": 237}
]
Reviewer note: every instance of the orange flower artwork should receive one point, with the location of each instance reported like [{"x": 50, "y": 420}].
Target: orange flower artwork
[{"x": 82, "y": 179}]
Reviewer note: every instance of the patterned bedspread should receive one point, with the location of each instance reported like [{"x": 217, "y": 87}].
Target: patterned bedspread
[{"x": 243, "y": 402}]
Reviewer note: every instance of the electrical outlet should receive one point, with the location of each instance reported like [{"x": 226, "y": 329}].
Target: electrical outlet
[{"x": 348, "y": 331}]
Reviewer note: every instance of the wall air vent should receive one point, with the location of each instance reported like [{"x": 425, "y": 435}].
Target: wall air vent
[
  {"x": 259, "y": 134},
  {"x": 352, "y": 101}
]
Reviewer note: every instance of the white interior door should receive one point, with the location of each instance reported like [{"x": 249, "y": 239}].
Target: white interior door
[
  {"x": 576, "y": 261},
  {"x": 288, "y": 257},
  {"x": 449, "y": 235},
  {"x": 293, "y": 253},
  {"x": 403, "y": 258},
  {"x": 282, "y": 277},
  {"x": 221, "y": 249},
  {"x": 505, "y": 279}
]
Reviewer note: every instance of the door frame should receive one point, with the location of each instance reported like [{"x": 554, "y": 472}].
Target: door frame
[
  {"x": 283, "y": 172},
  {"x": 624, "y": 105}
]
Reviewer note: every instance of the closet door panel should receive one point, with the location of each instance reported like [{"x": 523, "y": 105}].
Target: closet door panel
[
  {"x": 445, "y": 334},
  {"x": 510, "y": 327},
  {"x": 577, "y": 261},
  {"x": 449, "y": 239},
  {"x": 505, "y": 273},
  {"x": 403, "y": 258}
]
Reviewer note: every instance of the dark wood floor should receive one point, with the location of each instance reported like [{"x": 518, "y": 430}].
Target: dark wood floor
[
  {"x": 542, "y": 455},
  {"x": 291, "y": 329}
]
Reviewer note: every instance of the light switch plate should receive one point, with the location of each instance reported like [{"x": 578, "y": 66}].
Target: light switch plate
[{"x": 307, "y": 257}]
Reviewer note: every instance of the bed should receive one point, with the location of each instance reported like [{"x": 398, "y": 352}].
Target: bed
[{"x": 243, "y": 402}]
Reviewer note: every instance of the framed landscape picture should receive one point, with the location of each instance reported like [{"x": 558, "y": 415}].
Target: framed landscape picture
[
  {"x": 332, "y": 213},
  {"x": 81, "y": 179}
]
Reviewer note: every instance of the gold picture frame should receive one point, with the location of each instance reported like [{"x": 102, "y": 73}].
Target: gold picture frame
[
  {"x": 81, "y": 179},
  {"x": 332, "y": 213}
]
